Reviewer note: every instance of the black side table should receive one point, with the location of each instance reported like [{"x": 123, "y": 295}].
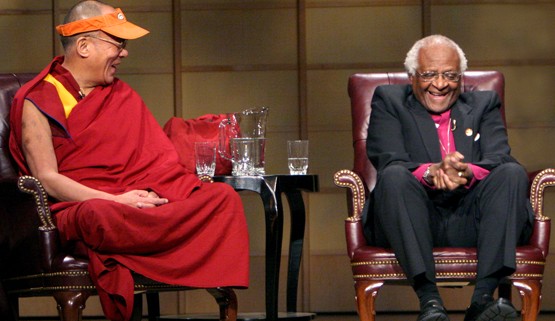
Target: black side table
[{"x": 270, "y": 188}]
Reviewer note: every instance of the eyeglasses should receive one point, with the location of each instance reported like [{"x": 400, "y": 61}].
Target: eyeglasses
[
  {"x": 428, "y": 76},
  {"x": 120, "y": 45}
]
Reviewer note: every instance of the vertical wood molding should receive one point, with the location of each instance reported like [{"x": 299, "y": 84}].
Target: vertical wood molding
[
  {"x": 177, "y": 79},
  {"x": 426, "y": 17},
  {"x": 304, "y": 281},
  {"x": 55, "y": 12},
  {"x": 301, "y": 69}
]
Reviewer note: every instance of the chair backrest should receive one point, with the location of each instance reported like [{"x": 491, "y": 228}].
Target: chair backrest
[
  {"x": 9, "y": 84},
  {"x": 361, "y": 89}
]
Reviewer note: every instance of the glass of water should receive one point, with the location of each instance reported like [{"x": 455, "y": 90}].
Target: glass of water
[
  {"x": 205, "y": 158},
  {"x": 242, "y": 151},
  {"x": 297, "y": 157}
]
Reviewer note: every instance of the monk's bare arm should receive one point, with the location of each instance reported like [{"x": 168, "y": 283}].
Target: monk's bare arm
[
  {"x": 39, "y": 154},
  {"x": 41, "y": 158}
]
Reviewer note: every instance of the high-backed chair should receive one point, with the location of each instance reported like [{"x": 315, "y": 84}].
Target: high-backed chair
[
  {"x": 32, "y": 260},
  {"x": 374, "y": 266}
]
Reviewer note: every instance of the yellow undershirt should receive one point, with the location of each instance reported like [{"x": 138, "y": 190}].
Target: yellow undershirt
[{"x": 68, "y": 101}]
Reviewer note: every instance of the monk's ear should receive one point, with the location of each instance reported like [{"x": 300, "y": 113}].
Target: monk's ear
[{"x": 82, "y": 46}]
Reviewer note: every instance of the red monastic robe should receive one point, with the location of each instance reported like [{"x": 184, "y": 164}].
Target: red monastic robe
[{"x": 111, "y": 142}]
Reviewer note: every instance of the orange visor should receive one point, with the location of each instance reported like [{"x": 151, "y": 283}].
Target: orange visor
[{"x": 113, "y": 23}]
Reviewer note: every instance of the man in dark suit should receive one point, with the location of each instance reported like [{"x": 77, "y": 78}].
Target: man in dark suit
[{"x": 445, "y": 178}]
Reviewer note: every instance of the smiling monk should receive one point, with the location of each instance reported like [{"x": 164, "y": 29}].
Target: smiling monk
[{"x": 114, "y": 177}]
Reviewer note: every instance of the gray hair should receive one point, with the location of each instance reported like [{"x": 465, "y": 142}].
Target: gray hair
[{"x": 411, "y": 61}]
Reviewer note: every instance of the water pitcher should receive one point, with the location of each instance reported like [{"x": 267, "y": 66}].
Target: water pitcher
[{"x": 249, "y": 124}]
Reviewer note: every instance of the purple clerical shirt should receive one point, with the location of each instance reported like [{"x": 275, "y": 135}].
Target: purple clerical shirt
[{"x": 447, "y": 145}]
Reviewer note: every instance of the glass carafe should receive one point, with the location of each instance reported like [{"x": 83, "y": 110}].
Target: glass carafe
[{"x": 248, "y": 124}]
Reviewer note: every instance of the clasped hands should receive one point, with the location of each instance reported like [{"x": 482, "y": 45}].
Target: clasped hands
[
  {"x": 451, "y": 172},
  {"x": 141, "y": 199}
]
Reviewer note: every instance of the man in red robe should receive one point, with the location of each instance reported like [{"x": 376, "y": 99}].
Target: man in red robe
[{"x": 91, "y": 141}]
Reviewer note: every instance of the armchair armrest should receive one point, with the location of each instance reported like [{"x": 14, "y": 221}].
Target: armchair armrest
[
  {"x": 356, "y": 197},
  {"x": 49, "y": 240},
  {"x": 542, "y": 224},
  {"x": 349, "y": 179}
]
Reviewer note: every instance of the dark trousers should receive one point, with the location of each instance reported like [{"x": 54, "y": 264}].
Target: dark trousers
[{"x": 494, "y": 216}]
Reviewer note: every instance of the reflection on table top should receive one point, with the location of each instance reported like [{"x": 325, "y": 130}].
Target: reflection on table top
[{"x": 281, "y": 183}]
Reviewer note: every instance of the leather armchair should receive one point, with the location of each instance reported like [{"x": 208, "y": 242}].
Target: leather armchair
[
  {"x": 32, "y": 260},
  {"x": 372, "y": 266}
]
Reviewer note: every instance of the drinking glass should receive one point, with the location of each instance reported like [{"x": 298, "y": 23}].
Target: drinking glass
[
  {"x": 258, "y": 156},
  {"x": 205, "y": 158},
  {"x": 242, "y": 151},
  {"x": 297, "y": 157}
]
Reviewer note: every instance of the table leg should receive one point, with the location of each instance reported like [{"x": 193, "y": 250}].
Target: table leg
[
  {"x": 273, "y": 209},
  {"x": 296, "y": 207}
]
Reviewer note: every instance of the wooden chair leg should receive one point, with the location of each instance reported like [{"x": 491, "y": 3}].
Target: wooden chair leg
[
  {"x": 366, "y": 293},
  {"x": 227, "y": 300},
  {"x": 530, "y": 292},
  {"x": 71, "y": 304}
]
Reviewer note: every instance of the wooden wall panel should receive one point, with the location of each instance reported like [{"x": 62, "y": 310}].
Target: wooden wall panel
[
  {"x": 329, "y": 123},
  {"x": 26, "y": 43},
  {"x": 329, "y": 152},
  {"x": 239, "y": 37},
  {"x": 502, "y": 32},
  {"x": 529, "y": 147},
  {"x": 528, "y": 94},
  {"x": 18, "y": 7},
  {"x": 329, "y": 108},
  {"x": 153, "y": 52},
  {"x": 327, "y": 224},
  {"x": 331, "y": 284},
  {"x": 360, "y": 35},
  {"x": 221, "y": 92}
]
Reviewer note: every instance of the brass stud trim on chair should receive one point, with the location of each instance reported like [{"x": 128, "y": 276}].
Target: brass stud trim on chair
[
  {"x": 56, "y": 288},
  {"x": 142, "y": 286},
  {"x": 380, "y": 276},
  {"x": 390, "y": 262},
  {"x": 353, "y": 219},
  {"x": 456, "y": 261},
  {"x": 46, "y": 275},
  {"x": 395, "y": 262},
  {"x": 349, "y": 179},
  {"x": 403, "y": 276},
  {"x": 526, "y": 275},
  {"x": 456, "y": 274},
  {"x": 67, "y": 273},
  {"x": 525, "y": 262},
  {"x": 537, "y": 202},
  {"x": 31, "y": 185}
]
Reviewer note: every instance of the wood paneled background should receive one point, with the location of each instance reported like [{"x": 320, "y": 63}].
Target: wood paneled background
[{"x": 215, "y": 56}]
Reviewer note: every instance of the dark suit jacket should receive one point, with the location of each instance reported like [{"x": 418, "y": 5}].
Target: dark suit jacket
[{"x": 401, "y": 130}]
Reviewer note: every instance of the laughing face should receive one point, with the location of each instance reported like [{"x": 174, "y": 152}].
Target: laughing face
[
  {"x": 438, "y": 94},
  {"x": 109, "y": 53}
]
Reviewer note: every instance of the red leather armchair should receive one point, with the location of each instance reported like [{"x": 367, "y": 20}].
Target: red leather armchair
[
  {"x": 32, "y": 260},
  {"x": 373, "y": 266}
]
